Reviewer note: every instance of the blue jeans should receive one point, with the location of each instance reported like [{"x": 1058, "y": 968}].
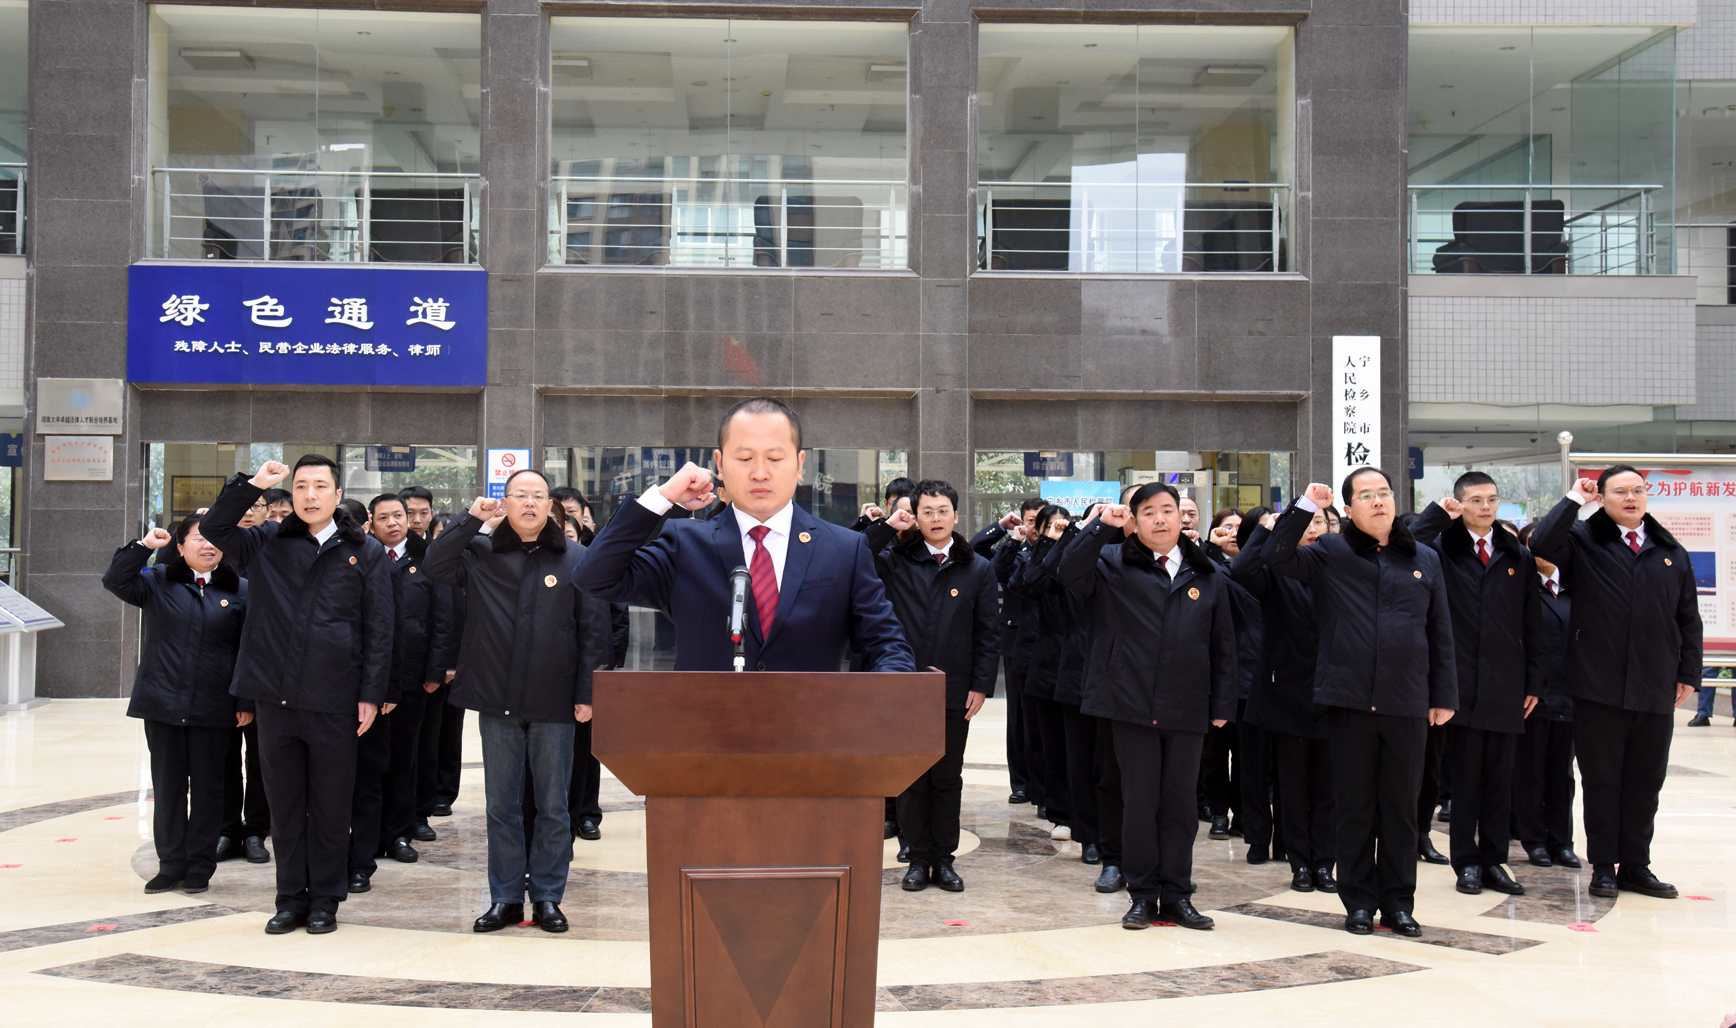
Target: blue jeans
[
  {"x": 509, "y": 745},
  {"x": 1708, "y": 693}
]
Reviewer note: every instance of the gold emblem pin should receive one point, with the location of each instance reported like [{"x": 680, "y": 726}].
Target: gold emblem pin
[
  {"x": 222, "y": 603},
  {"x": 1193, "y": 594},
  {"x": 413, "y": 571},
  {"x": 1667, "y": 562},
  {"x": 955, "y": 592},
  {"x": 805, "y": 537},
  {"x": 549, "y": 581},
  {"x": 1417, "y": 574},
  {"x": 352, "y": 560},
  {"x": 1509, "y": 571}
]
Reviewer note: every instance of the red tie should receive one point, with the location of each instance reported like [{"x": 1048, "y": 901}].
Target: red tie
[
  {"x": 1483, "y": 551},
  {"x": 765, "y": 580},
  {"x": 940, "y": 558},
  {"x": 1634, "y": 541},
  {"x": 1163, "y": 565},
  {"x": 1552, "y": 587}
]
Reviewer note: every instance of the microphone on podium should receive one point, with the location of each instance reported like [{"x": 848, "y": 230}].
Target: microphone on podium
[{"x": 738, "y": 585}]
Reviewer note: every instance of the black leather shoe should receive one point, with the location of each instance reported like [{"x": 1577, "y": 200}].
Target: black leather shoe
[
  {"x": 1498, "y": 879},
  {"x": 1446, "y": 812},
  {"x": 1359, "y": 922},
  {"x": 162, "y": 883},
  {"x": 1539, "y": 856},
  {"x": 904, "y": 854},
  {"x": 322, "y": 922},
  {"x": 1301, "y": 880},
  {"x": 1139, "y": 915},
  {"x": 915, "y": 878},
  {"x": 1699, "y": 721},
  {"x": 546, "y": 914},
  {"x": 1182, "y": 912},
  {"x": 283, "y": 922},
  {"x": 589, "y": 829},
  {"x": 1090, "y": 854},
  {"x": 196, "y": 884},
  {"x": 889, "y": 830},
  {"x": 227, "y": 848},
  {"x": 1324, "y": 881},
  {"x": 423, "y": 833},
  {"x": 359, "y": 883},
  {"x": 1258, "y": 855},
  {"x": 1470, "y": 881},
  {"x": 1205, "y": 812},
  {"x": 948, "y": 879},
  {"x": 399, "y": 849},
  {"x": 1402, "y": 923},
  {"x": 441, "y": 810},
  {"x": 1111, "y": 880},
  {"x": 1426, "y": 850},
  {"x": 254, "y": 847},
  {"x": 1566, "y": 857},
  {"x": 1220, "y": 828},
  {"x": 1603, "y": 882},
  {"x": 498, "y": 916},
  {"x": 1641, "y": 879},
  {"x": 1042, "y": 812},
  {"x": 1017, "y": 796}
]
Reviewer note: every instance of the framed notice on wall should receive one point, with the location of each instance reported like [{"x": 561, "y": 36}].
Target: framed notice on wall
[
  {"x": 188, "y": 493},
  {"x": 78, "y": 458},
  {"x": 1355, "y": 405}
]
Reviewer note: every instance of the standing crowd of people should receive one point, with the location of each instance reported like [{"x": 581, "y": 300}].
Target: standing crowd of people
[{"x": 1311, "y": 681}]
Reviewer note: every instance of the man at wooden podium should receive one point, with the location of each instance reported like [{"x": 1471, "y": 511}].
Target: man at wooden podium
[{"x": 814, "y": 589}]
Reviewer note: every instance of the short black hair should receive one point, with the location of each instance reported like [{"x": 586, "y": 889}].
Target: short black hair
[
  {"x": 1614, "y": 470},
  {"x": 761, "y": 405},
  {"x": 354, "y": 509},
  {"x": 1150, "y": 490},
  {"x": 1250, "y": 521},
  {"x": 901, "y": 486},
  {"x": 185, "y": 526},
  {"x": 935, "y": 487},
  {"x": 1508, "y": 525},
  {"x": 276, "y": 495},
  {"x": 1525, "y": 533},
  {"x": 1045, "y": 515},
  {"x": 522, "y": 471},
  {"x": 561, "y": 494},
  {"x": 416, "y": 492},
  {"x": 1365, "y": 469},
  {"x": 1033, "y": 503},
  {"x": 397, "y": 498},
  {"x": 1470, "y": 479},
  {"x": 438, "y": 523},
  {"x": 318, "y": 460},
  {"x": 1227, "y": 512}
]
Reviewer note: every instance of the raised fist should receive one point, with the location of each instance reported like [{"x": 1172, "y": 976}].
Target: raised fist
[
  {"x": 486, "y": 508},
  {"x": 1267, "y": 520},
  {"x": 1009, "y": 519},
  {"x": 901, "y": 519},
  {"x": 156, "y": 539},
  {"x": 690, "y": 487},
  {"x": 1586, "y": 487},
  {"x": 1319, "y": 495},
  {"x": 1191, "y": 534},
  {"x": 872, "y": 512},
  {"x": 1453, "y": 507},
  {"x": 1020, "y": 532},
  {"x": 273, "y": 472},
  {"x": 1224, "y": 536},
  {"x": 1116, "y": 515}
]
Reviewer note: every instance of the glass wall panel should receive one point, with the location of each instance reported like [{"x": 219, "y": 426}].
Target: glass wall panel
[
  {"x": 14, "y": 72},
  {"x": 728, "y": 143},
  {"x": 1575, "y": 125},
  {"x": 1134, "y": 148},
  {"x": 1213, "y": 479},
  {"x": 314, "y": 134},
  {"x": 1706, "y": 187}
]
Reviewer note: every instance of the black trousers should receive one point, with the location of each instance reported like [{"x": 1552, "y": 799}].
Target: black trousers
[
  {"x": 1159, "y": 773},
  {"x": 1543, "y": 784},
  {"x": 1257, "y": 790},
  {"x": 1305, "y": 780},
  {"x": 1429, "y": 792},
  {"x": 1111, "y": 811},
  {"x": 1045, "y": 716},
  {"x": 398, "y": 787},
  {"x": 928, "y": 811},
  {"x": 442, "y": 742},
  {"x": 187, "y": 778},
  {"x": 583, "y": 793},
  {"x": 1376, "y": 772},
  {"x": 245, "y": 810},
  {"x": 1084, "y": 775},
  {"x": 1481, "y": 765},
  {"x": 1623, "y": 757},
  {"x": 368, "y": 796},
  {"x": 1018, "y": 768},
  {"x": 1218, "y": 786},
  {"x": 310, "y": 776}
]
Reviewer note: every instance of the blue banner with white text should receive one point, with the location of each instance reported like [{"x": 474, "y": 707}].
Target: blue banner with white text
[{"x": 365, "y": 324}]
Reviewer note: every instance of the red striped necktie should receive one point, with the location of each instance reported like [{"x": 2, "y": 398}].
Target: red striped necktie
[{"x": 765, "y": 580}]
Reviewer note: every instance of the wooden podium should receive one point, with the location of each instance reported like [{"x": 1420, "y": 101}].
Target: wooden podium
[{"x": 764, "y": 803}]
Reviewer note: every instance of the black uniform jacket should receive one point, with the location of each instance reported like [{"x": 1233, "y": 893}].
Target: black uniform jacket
[
  {"x": 1281, "y": 694},
  {"x": 1636, "y": 628},
  {"x": 531, "y": 638},
  {"x": 190, "y": 641},
  {"x": 319, "y": 622},
  {"x": 1061, "y": 643},
  {"x": 1496, "y": 621},
  {"x": 985, "y": 543},
  {"x": 950, "y": 612},
  {"x": 1554, "y": 704},
  {"x": 424, "y": 626},
  {"x": 1162, "y": 653},
  {"x": 1386, "y": 633}
]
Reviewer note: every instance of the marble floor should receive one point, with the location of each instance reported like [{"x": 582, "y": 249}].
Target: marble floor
[{"x": 1028, "y": 943}]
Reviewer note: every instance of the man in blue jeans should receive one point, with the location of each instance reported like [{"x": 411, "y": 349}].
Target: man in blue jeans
[
  {"x": 1708, "y": 695},
  {"x": 530, "y": 642}
]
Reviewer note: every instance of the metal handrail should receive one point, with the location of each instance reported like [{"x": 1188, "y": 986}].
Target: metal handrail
[{"x": 1603, "y": 221}]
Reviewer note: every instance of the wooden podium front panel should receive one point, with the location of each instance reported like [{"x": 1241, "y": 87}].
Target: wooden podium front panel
[{"x": 761, "y": 907}]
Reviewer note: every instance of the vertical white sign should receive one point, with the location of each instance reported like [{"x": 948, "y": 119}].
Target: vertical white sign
[
  {"x": 1355, "y": 407},
  {"x": 502, "y": 464}
]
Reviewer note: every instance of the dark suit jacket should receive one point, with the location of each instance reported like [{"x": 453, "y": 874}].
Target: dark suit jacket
[{"x": 830, "y": 599}]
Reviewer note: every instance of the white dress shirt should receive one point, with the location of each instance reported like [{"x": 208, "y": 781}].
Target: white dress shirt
[
  {"x": 397, "y": 551},
  {"x": 1553, "y": 576},
  {"x": 777, "y": 541},
  {"x": 1488, "y": 541},
  {"x": 325, "y": 533},
  {"x": 934, "y": 551},
  {"x": 1172, "y": 561}
]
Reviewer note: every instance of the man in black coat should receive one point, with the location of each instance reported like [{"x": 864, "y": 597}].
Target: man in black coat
[
  {"x": 1498, "y": 652},
  {"x": 383, "y": 813},
  {"x": 531, "y": 641},
  {"x": 315, "y": 662},
  {"x": 1543, "y": 783},
  {"x": 1163, "y": 669},
  {"x": 991, "y": 542},
  {"x": 1385, "y": 669},
  {"x": 1633, "y": 656},
  {"x": 945, "y": 596}
]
